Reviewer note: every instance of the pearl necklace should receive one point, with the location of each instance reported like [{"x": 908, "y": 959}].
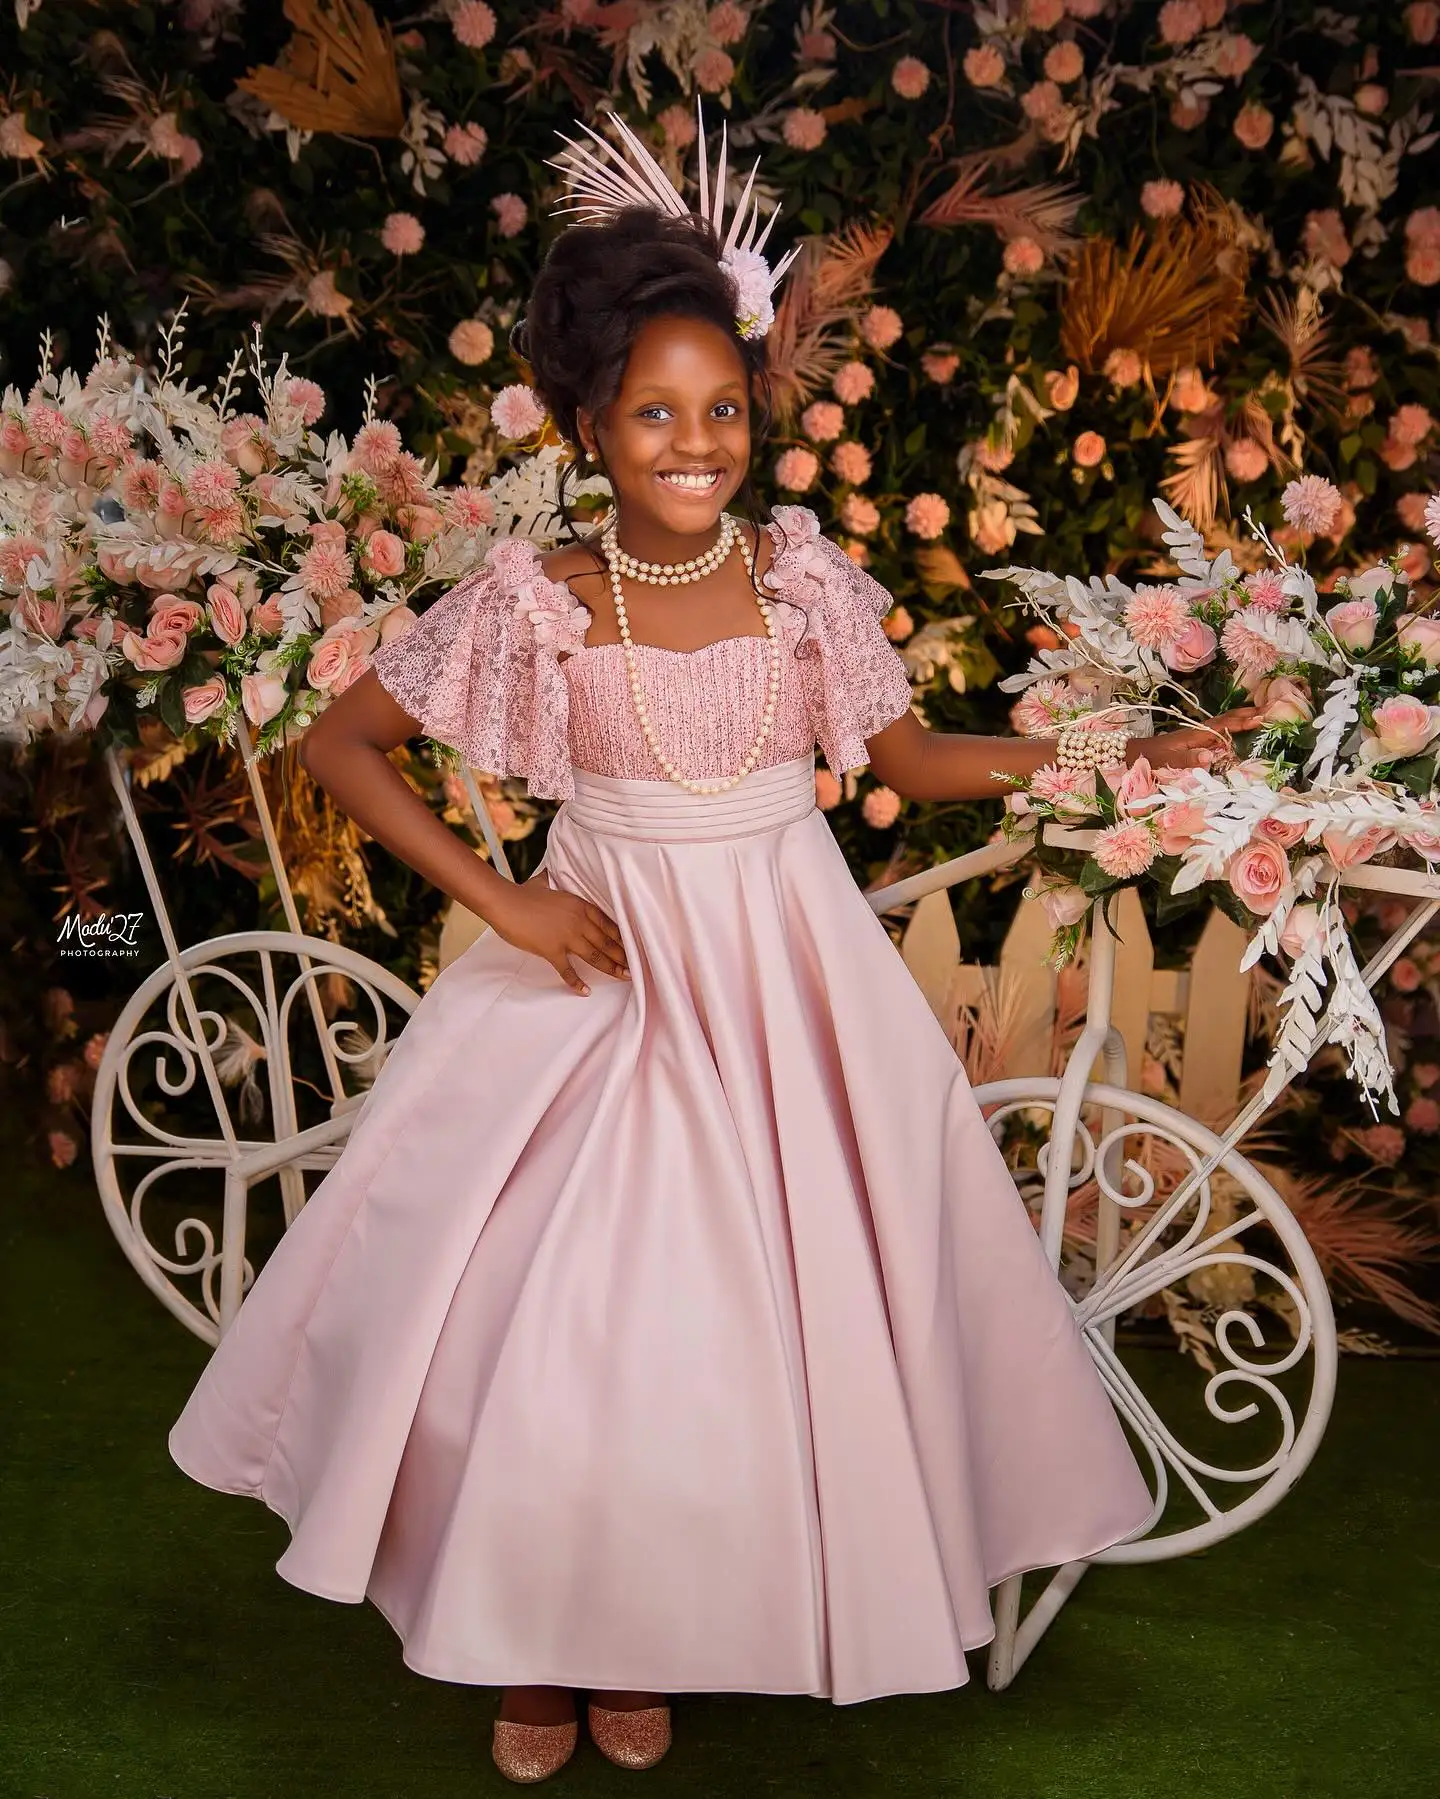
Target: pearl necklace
[{"x": 671, "y": 575}]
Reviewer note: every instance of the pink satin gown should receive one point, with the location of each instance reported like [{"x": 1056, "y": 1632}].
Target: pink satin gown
[{"x": 691, "y": 1336}]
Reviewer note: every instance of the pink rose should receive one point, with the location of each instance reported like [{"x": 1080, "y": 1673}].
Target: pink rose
[
  {"x": 203, "y": 700},
  {"x": 227, "y": 615},
  {"x": 1301, "y": 924},
  {"x": 1421, "y": 636},
  {"x": 267, "y": 618},
  {"x": 1352, "y": 623},
  {"x": 1347, "y": 849},
  {"x": 1064, "y": 904},
  {"x": 262, "y": 696},
  {"x": 1135, "y": 785},
  {"x": 1403, "y": 725},
  {"x": 1192, "y": 649},
  {"x": 384, "y": 554},
  {"x": 418, "y": 522},
  {"x": 1259, "y": 874}
]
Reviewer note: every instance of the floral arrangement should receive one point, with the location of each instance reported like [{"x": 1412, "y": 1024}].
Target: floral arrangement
[
  {"x": 164, "y": 552},
  {"x": 1340, "y": 769}
]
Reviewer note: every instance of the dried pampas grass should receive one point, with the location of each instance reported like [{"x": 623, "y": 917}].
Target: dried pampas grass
[{"x": 828, "y": 284}]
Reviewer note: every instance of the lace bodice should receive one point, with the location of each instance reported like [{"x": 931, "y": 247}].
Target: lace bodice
[{"x": 498, "y": 668}]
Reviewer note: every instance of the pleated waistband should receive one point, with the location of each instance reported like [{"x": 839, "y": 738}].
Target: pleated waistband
[{"x": 659, "y": 811}]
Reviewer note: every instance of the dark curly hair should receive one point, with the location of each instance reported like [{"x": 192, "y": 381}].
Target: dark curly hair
[{"x": 599, "y": 285}]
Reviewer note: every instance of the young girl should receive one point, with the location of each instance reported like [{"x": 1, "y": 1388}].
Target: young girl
[{"x": 671, "y": 1321}]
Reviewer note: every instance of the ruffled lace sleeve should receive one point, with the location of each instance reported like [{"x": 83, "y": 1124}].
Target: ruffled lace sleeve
[
  {"x": 855, "y": 679},
  {"x": 480, "y": 671}
]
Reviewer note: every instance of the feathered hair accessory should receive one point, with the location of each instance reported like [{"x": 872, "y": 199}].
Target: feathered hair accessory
[{"x": 599, "y": 182}]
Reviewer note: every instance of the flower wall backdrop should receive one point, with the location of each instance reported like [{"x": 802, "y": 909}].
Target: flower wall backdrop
[{"x": 1060, "y": 255}]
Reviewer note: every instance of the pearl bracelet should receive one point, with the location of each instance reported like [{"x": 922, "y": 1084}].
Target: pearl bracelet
[{"x": 1081, "y": 749}]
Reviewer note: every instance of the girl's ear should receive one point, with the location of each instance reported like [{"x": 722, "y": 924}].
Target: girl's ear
[{"x": 585, "y": 431}]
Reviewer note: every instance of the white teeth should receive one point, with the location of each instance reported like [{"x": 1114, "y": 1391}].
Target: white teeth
[{"x": 694, "y": 481}]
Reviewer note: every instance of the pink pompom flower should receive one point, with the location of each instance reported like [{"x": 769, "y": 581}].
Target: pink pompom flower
[
  {"x": 853, "y": 382},
  {"x": 1157, "y": 616},
  {"x": 473, "y": 23},
  {"x": 465, "y": 144},
  {"x": 1161, "y": 199},
  {"x": 822, "y": 421},
  {"x": 1180, "y": 21},
  {"x": 1023, "y": 256},
  {"x": 927, "y": 515},
  {"x": 860, "y": 515},
  {"x": 804, "y": 128},
  {"x": 1065, "y": 62},
  {"x": 511, "y": 214},
  {"x": 850, "y": 463},
  {"x": 881, "y": 807},
  {"x": 881, "y": 326},
  {"x": 713, "y": 71},
  {"x": 984, "y": 66},
  {"x": 472, "y": 342},
  {"x": 1254, "y": 125},
  {"x": 516, "y": 412},
  {"x": 1312, "y": 504},
  {"x": 726, "y": 22},
  {"x": 910, "y": 78},
  {"x": 1126, "y": 850},
  {"x": 402, "y": 234},
  {"x": 796, "y": 470}
]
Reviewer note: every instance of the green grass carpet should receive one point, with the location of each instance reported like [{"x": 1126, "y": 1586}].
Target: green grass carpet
[{"x": 148, "y": 1650}]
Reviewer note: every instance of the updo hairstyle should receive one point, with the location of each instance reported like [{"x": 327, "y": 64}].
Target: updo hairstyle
[{"x": 598, "y": 287}]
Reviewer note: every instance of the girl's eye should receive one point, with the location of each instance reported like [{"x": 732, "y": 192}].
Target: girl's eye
[
  {"x": 647, "y": 412},
  {"x": 726, "y": 409}
]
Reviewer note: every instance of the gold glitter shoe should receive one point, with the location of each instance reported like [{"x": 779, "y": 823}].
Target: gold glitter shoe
[
  {"x": 530, "y": 1752},
  {"x": 634, "y": 1739}
]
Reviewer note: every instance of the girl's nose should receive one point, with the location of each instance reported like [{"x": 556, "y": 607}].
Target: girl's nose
[{"x": 694, "y": 434}]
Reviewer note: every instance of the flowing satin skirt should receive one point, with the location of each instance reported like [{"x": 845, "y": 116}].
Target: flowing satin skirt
[{"x": 688, "y": 1336}]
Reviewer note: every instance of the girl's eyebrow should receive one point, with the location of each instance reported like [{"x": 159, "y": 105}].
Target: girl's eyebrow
[{"x": 645, "y": 394}]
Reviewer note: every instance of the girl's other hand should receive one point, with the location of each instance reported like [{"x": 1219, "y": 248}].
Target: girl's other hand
[
  {"x": 1198, "y": 746},
  {"x": 556, "y": 925}
]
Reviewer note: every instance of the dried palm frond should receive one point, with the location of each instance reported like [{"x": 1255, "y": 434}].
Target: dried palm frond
[
  {"x": 1173, "y": 295},
  {"x": 831, "y": 278},
  {"x": 1044, "y": 210},
  {"x": 1362, "y": 1249},
  {"x": 1295, "y": 321},
  {"x": 337, "y": 73},
  {"x": 984, "y": 1033},
  {"x": 1197, "y": 488}
]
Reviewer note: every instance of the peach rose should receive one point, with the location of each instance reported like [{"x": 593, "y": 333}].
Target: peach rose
[
  {"x": 1063, "y": 389},
  {"x": 418, "y": 522},
  {"x": 1088, "y": 449},
  {"x": 1403, "y": 725},
  {"x": 155, "y": 651},
  {"x": 327, "y": 662},
  {"x": 227, "y": 615},
  {"x": 262, "y": 696},
  {"x": 1286, "y": 702},
  {"x": 1178, "y": 825},
  {"x": 384, "y": 554},
  {"x": 397, "y": 622},
  {"x": 1259, "y": 874},
  {"x": 204, "y": 699},
  {"x": 267, "y": 618},
  {"x": 1284, "y": 833},
  {"x": 343, "y": 605},
  {"x": 1347, "y": 849}
]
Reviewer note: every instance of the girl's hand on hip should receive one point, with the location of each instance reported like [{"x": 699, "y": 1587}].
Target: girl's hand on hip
[{"x": 556, "y": 925}]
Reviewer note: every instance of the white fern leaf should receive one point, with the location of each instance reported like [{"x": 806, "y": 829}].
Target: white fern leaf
[
  {"x": 1334, "y": 719},
  {"x": 1184, "y": 542}
]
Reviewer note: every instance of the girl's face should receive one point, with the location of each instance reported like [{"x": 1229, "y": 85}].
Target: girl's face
[{"x": 676, "y": 439}]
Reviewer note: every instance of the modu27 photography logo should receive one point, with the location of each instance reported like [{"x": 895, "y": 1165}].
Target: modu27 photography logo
[{"x": 106, "y": 934}]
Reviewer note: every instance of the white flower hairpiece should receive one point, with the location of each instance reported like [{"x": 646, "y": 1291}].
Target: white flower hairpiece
[{"x": 600, "y": 182}]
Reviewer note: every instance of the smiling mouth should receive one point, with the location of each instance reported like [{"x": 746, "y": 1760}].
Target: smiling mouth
[{"x": 690, "y": 481}]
